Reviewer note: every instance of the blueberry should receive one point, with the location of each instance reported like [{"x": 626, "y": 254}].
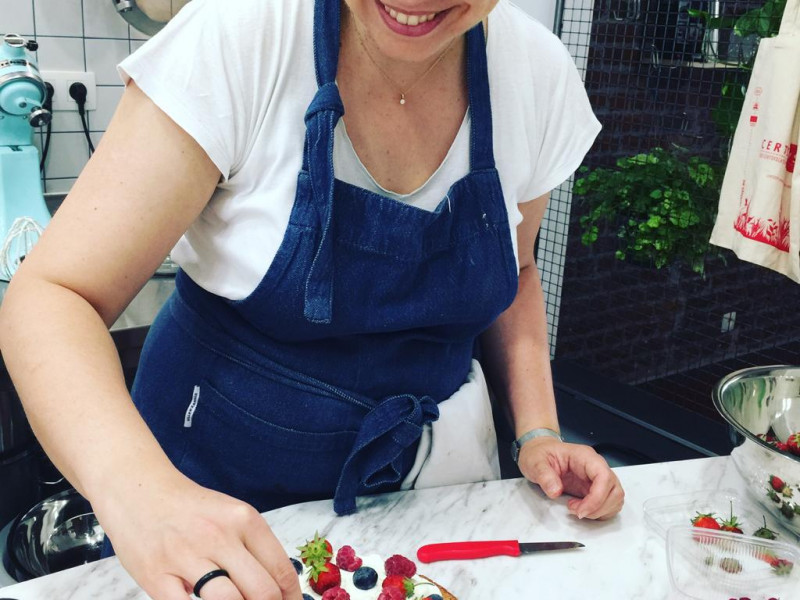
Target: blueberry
[
  {"x": 365, "y": 578},
  {"x": 307, "y": 597},
  {"x": 433, "y": 597},
  {"x": 298, "y": 566}
]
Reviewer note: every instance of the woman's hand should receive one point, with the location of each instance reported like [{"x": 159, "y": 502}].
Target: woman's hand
[
  {"x": 168, "y": 536},
  {"x": 577, "y": 470}
]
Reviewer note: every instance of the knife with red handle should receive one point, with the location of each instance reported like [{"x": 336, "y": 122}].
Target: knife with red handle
[{"x": 466, "y": 550}]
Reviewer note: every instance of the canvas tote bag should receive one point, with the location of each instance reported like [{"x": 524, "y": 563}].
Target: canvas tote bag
[{"x": 759, "y": 207}]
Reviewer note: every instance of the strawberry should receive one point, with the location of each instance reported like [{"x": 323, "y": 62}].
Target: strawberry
[
  {"x": 777, "y": 483},
  {"x": 731, "y": 524},
  {"x": 705, "y": 521},
  {"x": 730, "y": 565},
  {"x": 404, "y": 584},
  {"x": 781, "y": 566},
  {"x": 793, "y": 443},
  {"x": 765, "y": 532},
  {"x": 324, "y": 577},
  {"x": 318, "y": 551}
]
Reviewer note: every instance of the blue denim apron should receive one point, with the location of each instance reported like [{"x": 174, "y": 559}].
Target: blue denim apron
[{"x": 319, "y": 383}]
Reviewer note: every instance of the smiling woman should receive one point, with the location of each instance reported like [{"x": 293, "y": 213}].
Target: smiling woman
[{"x": 352, "y": 191}]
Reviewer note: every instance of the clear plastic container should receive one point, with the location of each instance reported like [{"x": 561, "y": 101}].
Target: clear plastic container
[
  {"x": 717, "y": 565},
  {"x": 663, "y": 512}
]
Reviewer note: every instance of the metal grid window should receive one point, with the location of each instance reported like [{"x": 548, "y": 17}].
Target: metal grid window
[{"x": 658, "y": 77}]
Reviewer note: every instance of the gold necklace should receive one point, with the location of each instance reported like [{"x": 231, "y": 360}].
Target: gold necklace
[{"x": 389, "y": 79}]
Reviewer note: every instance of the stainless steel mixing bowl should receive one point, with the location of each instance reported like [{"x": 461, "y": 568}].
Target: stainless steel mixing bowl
[
  {"x": 56, "y": 534},
  {"x": 760, "y": 402}
]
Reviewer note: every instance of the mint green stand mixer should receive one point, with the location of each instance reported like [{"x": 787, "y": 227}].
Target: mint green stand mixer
[{"x": 23, "y": 212}]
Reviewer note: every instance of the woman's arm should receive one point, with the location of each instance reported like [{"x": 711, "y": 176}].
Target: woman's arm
[
  {"x": 140, "y": 191},
  {"x": 517, "y": 357}
]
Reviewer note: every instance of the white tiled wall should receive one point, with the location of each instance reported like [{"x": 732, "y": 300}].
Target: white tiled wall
[{"x": 74, "y": 35}]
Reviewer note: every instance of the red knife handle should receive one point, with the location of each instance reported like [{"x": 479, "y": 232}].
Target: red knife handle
[{"x": 466, "y": 550}]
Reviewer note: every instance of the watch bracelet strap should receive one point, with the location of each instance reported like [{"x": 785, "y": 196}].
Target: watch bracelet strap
[{"x": 516, "y": 445}]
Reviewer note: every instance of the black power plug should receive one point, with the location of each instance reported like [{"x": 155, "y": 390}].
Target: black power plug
[
  {"x": 78, "y": 92},
  {"x": 48, "y": 106}
]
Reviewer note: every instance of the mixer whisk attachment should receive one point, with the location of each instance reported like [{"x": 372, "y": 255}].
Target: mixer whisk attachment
[{"x": 22, "y": 235}]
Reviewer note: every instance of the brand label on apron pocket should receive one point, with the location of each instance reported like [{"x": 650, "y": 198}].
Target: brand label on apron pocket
[{"x": 187, "y": 419}]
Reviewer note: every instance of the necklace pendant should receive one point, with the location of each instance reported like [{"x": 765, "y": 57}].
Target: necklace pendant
[{"x": 402, "y": 98}]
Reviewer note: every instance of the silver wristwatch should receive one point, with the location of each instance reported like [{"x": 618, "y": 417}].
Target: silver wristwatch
[{"x": 517, "y": 444}]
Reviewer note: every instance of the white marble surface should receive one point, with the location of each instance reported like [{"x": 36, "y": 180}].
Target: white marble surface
[{"x": 623, "y": 558}]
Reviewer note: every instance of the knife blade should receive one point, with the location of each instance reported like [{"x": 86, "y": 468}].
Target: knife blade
[{"x": 466, "y": 550}]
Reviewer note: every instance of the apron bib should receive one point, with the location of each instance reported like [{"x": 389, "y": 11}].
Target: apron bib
[{"x": 319, "y": 383}]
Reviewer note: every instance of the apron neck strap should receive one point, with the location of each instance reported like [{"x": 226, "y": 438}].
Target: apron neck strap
[
  {"x": 327, "y": 34},
  {"x": 481, "y": 151}
]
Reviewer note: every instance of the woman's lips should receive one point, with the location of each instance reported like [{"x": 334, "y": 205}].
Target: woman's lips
[{"x": 410, "y": 24}]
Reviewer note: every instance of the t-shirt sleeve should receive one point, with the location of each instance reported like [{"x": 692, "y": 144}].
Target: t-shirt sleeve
[
  {"x": 565, "y": 124},
  {"x": 195, "y": 71}
]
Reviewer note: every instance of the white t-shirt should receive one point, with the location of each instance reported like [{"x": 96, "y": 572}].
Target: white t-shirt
[{"x": 238, "y": 77}]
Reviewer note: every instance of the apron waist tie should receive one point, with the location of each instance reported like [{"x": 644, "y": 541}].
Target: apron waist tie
[{"x": 377, "y": 455}]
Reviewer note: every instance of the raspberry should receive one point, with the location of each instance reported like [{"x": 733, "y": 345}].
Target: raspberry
[
  {"x": 335, "y": 593},
  {"x": 347, "y": 560},
  {"x": 400, "y": 565},
  {"x": 391, "y": 593}
]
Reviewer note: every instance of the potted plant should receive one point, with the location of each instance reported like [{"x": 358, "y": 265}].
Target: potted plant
[{"x": 662, "y": 205}]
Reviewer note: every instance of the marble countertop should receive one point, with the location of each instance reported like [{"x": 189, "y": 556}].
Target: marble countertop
[{"x": 623, "y": 557}]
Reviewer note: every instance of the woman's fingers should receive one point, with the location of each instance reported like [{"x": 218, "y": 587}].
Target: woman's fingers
[
  {"x": 170, "y": 540},
  {"x": 265, "y": 547},
  {"x": 220, "y": 587},
  {"x": 576, "y": 470},
  {"x": 602, "y": 492},
  {"x": 252, "y": 579}
]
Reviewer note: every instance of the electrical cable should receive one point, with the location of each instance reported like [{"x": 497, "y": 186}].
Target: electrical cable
[
  {"x": 78, "y": 92},
  {"x": 48, "y": 105}
]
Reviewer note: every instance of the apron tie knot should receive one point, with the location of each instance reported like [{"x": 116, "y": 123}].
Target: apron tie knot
[
  {"x": 389, "y": 429},
  {"x": 321, "y": 117},
  {"x": 327, "y": 99}
]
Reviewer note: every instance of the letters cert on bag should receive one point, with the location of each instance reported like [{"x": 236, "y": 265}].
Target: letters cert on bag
[{"x": 759, "y": 207}]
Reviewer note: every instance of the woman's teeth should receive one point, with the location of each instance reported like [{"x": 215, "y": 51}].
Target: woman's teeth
[{"x": 412, "y": 20}]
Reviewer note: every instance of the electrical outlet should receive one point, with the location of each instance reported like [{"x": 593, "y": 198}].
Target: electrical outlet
[{"x": 61, "y": 80}]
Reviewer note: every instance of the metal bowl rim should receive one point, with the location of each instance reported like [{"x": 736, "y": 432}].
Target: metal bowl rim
[{"x": 730, "y": 379}]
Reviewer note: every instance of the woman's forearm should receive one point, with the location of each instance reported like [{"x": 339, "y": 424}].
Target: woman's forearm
[
  {"x": 67, "y": 372},
  {"x": 517, "y": 357}
]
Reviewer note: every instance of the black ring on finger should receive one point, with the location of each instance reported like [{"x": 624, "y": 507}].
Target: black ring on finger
[{"x": 206, "y": 578}]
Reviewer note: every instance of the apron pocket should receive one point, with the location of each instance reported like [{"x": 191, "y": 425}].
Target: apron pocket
[{"x": 266, "y": 443}]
